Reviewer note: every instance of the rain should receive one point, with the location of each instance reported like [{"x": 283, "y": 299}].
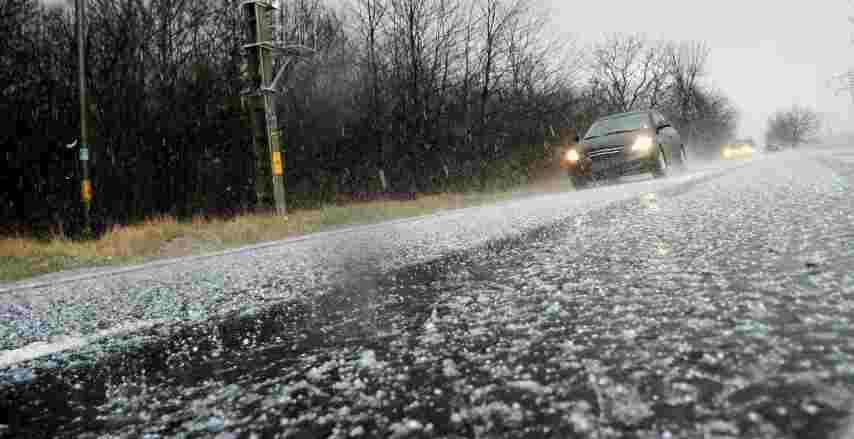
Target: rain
[{"x": 425, "y": 218}]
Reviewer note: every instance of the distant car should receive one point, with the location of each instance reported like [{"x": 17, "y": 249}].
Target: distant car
[
  {"x": 773, "y": 147},
  {"x": 737, "y": 150},
  {"x": 623, "y": 144}
]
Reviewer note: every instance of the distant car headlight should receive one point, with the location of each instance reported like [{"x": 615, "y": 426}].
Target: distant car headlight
[
  {"x": 727, "y": 153},
  {"x": 572, "y": 156},
  {"x": 642, "y": 144}
]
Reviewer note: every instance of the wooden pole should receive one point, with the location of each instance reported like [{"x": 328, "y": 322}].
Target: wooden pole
[{"x": 86, "y": 183}]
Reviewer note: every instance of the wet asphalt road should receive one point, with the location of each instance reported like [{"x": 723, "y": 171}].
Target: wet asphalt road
[{"x": 712, "y": 308}]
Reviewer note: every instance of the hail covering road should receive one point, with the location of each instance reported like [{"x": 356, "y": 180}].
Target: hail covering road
[{"x": 712, "y": 304}]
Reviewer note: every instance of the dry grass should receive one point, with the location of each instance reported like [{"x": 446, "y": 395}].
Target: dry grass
[{"x": 22, "y": 257}]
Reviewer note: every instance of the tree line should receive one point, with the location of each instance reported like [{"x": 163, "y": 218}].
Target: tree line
[
  {"x": 402, "y": 96},
  {"x": 793, "y": 126}
]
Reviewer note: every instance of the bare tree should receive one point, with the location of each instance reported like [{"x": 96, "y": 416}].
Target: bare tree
[
  {"x": 541, "y": 71},
  {"x": 15, "y": 18},
  {"x": 627, "y": 71},
  {"x": 443, "y": 52},
  {"x": 686, "y": 63},
  {"x": 496, "y": 17},
  {"x": 370, "y": 15},
  {"x": 794, "y": 126},
  {"x": 467, "y": 81}
]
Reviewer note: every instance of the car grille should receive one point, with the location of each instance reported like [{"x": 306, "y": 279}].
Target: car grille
[
  {"x": 606, "y": 158},
  {"x": 607, "y": 151}
]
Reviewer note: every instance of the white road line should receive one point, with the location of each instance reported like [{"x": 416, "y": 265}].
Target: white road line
[{"x": 68, "y": 343}]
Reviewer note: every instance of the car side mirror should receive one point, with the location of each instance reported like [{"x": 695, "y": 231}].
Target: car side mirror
[{"x": 662, "y": 126}]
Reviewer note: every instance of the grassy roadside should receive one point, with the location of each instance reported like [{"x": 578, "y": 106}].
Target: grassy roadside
[{"x": 21, "y": 257}]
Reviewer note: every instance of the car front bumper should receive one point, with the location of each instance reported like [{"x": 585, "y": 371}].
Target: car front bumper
[
  {"x": 612, "y": 165},
  {"x": 736, "y": 155}
]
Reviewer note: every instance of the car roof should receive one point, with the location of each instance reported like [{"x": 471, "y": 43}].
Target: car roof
[{"x": 628, "y": 113}]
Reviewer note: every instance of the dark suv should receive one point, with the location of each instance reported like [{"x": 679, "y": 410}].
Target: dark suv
[
  {"x": 773, "y": 147},
  {"x": 623, "y": 144}
]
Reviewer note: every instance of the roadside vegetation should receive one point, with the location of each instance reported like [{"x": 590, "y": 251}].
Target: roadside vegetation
[
  {"x": 417, "y": 97},
  {"x": 793, "y": 126},
  {"x": 403, "y": 96},
  {"x": 162, "y": 237}
]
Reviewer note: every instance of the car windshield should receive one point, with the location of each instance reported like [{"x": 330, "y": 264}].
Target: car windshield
[{"x": 628, "y": 122}]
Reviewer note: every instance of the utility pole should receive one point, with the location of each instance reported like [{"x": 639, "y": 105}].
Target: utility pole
[
  {"x": 849, "y": 82},
  {"x": 258, "y": 72},
  {"x": 86, "y": 183},
  {"x": 260, "y": 100}
]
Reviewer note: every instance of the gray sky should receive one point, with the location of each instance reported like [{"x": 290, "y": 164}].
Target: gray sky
[{"x": 765, "y": 54}]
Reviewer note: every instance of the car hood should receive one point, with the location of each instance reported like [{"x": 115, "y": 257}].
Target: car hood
[{"x": 618, "y": 139}]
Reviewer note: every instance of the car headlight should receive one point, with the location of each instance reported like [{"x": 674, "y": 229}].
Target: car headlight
[
  {"x": 727, "y": 153},
  {"x": 642, "y": 144},
  {"x": 572, "y": 155}
]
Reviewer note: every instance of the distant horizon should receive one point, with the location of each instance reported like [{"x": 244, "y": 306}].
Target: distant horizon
[{"x": 765, "y": 55}]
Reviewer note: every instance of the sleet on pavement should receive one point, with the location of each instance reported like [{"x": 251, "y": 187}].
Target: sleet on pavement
[{"x": 712, "y": 309}]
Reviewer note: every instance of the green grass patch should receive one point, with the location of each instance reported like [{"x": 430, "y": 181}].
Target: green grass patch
[
  {"x": 19, "y": 267},
  {"x": 167, "y": 237}
]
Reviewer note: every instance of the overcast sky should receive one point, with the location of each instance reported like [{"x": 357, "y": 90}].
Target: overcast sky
[{"x": 765, "y": 54}]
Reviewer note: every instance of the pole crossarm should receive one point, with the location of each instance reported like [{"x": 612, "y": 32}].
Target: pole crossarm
[
  {"x": 263, "y": 3},
  {"x": 262, "y": 44},
  {"x": 298, "y": 50},
  {"x": 293, "y": 53}
]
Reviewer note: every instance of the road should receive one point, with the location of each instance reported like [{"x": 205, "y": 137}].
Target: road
[{"x": 711, "y": 305}]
